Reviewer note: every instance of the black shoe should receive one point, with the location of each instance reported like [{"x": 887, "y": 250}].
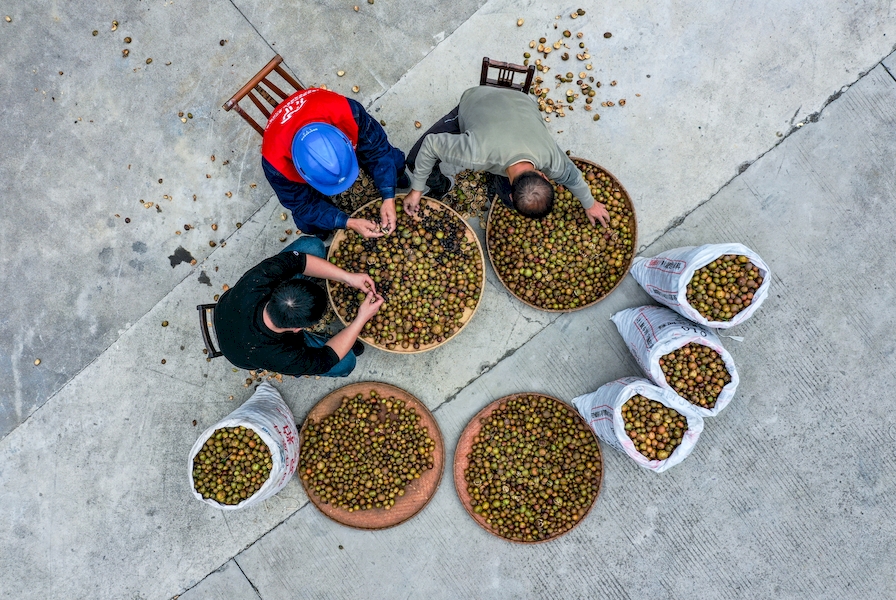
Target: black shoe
[
  {"x": 442, "y": 186},
  {"x": 358, "y": 348},
  {"x": 491, "y": 187},
  {"x": 404, "y": 182}
]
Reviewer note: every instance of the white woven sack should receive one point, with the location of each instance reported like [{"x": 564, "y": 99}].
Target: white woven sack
[
  {"x": 602, "y": 410},
  {"x": 268, "y": 415},
  {"x": 666, "y": 276},
  {"x": 651, "y": 332}
]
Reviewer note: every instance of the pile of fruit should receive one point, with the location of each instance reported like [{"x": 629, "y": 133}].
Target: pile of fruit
[
  {"x": 534, "y": 469},
  {"x": 364, "y": 454},
  {"x": 429, "y": 271},
  {"x": 655, "y": 429},
  {"x": 724, "y": 287},
  {"x": 562, "y": 262},
  {"x": 697, "y": 373},
  {"x": 232, "y": 465}
]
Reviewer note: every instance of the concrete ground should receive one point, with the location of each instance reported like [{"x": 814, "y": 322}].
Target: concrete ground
[{"x": 772, "y": 124}]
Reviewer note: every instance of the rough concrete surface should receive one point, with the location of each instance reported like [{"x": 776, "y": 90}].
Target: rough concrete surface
[{"x": 785, "y": 495}]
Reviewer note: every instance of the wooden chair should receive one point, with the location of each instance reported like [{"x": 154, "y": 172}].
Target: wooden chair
[
  {"x": 256, "y": 84},
  {"x": 206, "y": 316},
  {"x": 506, "y": 73}
]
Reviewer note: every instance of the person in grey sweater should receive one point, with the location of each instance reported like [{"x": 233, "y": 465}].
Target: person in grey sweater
[{"x": 499, "y": 131}]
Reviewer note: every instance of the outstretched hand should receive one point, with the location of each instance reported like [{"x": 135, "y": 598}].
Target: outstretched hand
[
  {"x": 369, "y": 306},
  {"x": 365, "y": 227},
  {"x": 360, "y": 281},
  {"x": 598, "y": 212},
  {"x": 388, "y": 216},
  {"x": 411, "y": 202}
]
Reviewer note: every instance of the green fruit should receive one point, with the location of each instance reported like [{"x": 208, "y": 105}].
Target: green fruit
[
  {"x": 428, "y": 274},
  {"x": 655, "y": 429},
  {"x": 533, "y": 469},
  {"x": 573, "y": 263},
  {"x": 724, "y": 287},
  {"x": 697, "y": 373},
  {"x": 232, "y": 465},
  {"x": 364, "y": 454}
]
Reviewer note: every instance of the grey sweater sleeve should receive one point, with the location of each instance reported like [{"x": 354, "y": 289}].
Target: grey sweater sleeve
[
  {"x": 573, "y": 180},
  {"x": 457, "y": 149}
]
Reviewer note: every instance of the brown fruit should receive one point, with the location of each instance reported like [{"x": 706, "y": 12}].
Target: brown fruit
[
  {"x": 724, "y": 287},
  {"x": 655, "y": 429},
  {"x": 697, "y": 373}
]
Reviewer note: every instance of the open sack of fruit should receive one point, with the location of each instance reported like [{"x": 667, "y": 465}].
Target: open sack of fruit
[
  {"x": 248, "y": 456},
  {"x": 681, "y": 356},
  {"x": 717, "y": 285},
  {"x": 652, "y": 425}
]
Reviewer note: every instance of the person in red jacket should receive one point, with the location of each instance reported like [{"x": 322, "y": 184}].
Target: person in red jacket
[{"x": 313, "y": 145}]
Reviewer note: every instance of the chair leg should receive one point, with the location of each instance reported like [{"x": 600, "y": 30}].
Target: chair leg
[{"x": 206, "y": 313}]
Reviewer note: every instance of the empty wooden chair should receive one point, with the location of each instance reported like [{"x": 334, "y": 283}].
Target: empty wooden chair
[
  {"x": 505, "y": 75},
  {"x": 206, "y": 317},
  {"x": 266, "y": 90}
]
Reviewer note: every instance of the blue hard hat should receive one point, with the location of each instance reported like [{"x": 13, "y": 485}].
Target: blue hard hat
[{"x": 324, "y": 157}]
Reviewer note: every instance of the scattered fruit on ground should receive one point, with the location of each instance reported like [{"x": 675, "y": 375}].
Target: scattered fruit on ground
[
  {"x": 697, "y": 373},
  {"x": 724, "y": 287},
  {"x": 364, "y": 454},
  {"x": 655, "y": 429},
  {"x": 534, "y": 469},
  {"x": 232, "y": 465}
]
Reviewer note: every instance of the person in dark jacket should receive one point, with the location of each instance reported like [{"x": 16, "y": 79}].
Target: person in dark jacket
[
  {"x": 313, "y": 145},
  {"x": 260, "y": 322}
]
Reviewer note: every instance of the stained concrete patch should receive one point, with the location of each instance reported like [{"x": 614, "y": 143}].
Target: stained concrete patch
[{"x": 181, "y": 255}]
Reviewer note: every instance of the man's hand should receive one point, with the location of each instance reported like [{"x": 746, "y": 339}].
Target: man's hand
[
  {"x": 360, "y": 281},
  {"x": 366, "y": 228},
  {"x": 369, "y": 307},
  {"x": 412, "y": 202},
  {"x": 387, "y": 215},
  {"x": 598, "y": 212}
]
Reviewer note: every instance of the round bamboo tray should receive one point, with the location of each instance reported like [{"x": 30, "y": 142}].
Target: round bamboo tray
[
  {"x": 340, "y": 237},
  {"x": 418, "y": 492},
  {"x": 465, "y": 444},
  {"x": 633, "y": 225}
]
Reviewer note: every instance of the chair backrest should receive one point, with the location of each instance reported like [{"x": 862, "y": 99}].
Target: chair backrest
[
  {"x": 206, "y": 315},
  {"x": 505, "y": 74},
  {"x": 258, "y": 84}
]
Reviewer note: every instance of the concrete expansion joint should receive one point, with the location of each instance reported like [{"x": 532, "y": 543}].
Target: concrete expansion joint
[
  {"x": 255, "y": 29},
  {"x": 488, "y": 366},
  {"x": 236, "y": 556},
  {"x": 742, "y": 168}
]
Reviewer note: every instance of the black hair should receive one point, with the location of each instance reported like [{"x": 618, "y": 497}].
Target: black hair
[
  {"x": 296, "y": 303},
  {"x": 533, "y": 195}
]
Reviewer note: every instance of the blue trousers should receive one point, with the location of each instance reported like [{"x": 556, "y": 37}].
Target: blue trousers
[{"x": 309, "y": 244}]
